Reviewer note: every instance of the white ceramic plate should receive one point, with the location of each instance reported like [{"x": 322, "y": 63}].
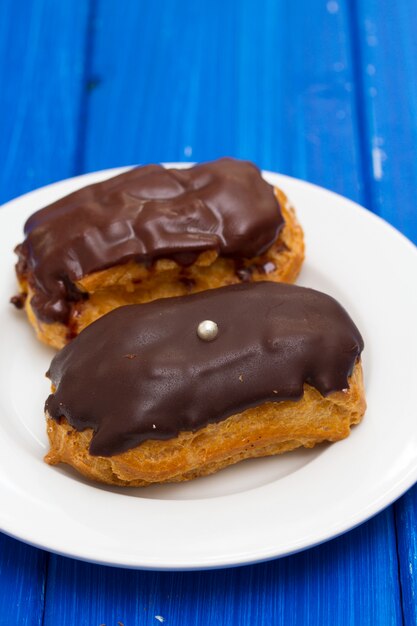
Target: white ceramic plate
[{"x": 258, "y": 509}]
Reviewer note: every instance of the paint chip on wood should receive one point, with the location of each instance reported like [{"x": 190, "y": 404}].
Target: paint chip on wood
[
  {"x": 378, "y": 156},
  {"x": 332, "y": 7}
]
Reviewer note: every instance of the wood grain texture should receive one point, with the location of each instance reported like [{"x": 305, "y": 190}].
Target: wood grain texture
[
  {"x": 41, "y": 81},
  {"x": 186, "y": 82},
  {"x": 278, "y": 84},
  {"x": 384, "y": 35},
  {"x": 406, "y": 519},
  {"x": 42, "y": 50},
  {"x": 321, "y": 90},
  {"x": 22, "y": 580},
  {"x": 205, "y": 80},
  {"x": 321, "y": 98},
  {"x": 337, "y": 583},
  {"x": 387, "y": 56}
]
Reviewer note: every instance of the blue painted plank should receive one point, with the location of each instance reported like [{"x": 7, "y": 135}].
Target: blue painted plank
[
  {"x": 321, "y": 98},
  {"x": 276, "y": 83},
  {"x": 386, "y": 49},
  {"x": 334, "y": 584},
  {"x": 41, "y": 77},
  {"x": 406, "y": 518},
  {"x": 42, "y": 47},
  {"x": 207, "y": 79},
  {"x": 387, "y": 53},
  {"x": 164, "y": 80},
  {"x": 22, "y": 578}
]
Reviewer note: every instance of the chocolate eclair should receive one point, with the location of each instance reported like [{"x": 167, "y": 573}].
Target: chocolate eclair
[
  {"x": 150, "y": 394},
  {"x": 152, "y": 233}
]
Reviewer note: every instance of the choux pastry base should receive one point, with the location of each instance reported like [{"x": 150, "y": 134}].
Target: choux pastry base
[
  {"x": 135, "y": 283},
  {"x": 269, "y": 429}
]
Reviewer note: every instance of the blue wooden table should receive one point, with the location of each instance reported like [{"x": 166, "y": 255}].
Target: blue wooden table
[{"x": 324, "y": 91}]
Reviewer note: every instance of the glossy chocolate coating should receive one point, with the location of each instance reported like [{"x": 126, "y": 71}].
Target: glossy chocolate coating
[
  {"x": 141, "y": 372},
  {"x": 146, "y": 213}
]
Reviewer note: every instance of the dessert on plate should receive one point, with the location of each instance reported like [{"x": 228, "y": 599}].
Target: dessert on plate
[
  {"x": 152, "y": 233},
  {"x": 181, "y": 387}
]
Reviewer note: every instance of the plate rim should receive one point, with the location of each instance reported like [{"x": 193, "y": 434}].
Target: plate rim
[{"x": 383, "y": 500}]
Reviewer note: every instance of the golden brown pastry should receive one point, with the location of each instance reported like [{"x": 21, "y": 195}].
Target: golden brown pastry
[
  {"x": 271, "y": 428},
  {"x": 153, "y": 233},
  {"x": 149, "y": 394}
]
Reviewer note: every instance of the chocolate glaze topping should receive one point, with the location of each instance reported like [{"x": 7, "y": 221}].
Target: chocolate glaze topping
[
  {"x": 141, "y": 372},
  {"x": 146, "y": 213}
]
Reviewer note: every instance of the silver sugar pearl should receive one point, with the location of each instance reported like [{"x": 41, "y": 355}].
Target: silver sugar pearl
[{"x": 207, "y": 330}]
